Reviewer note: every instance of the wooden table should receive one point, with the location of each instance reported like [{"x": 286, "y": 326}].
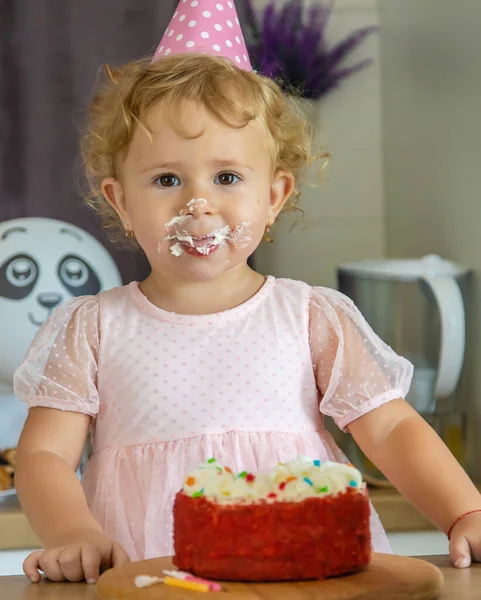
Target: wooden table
[{"x": 459, "y": 584}]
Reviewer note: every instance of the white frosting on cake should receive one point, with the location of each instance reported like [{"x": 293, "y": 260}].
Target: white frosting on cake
[{"x": 288, "y": 482}]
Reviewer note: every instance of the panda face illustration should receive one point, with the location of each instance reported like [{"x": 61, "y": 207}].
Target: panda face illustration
[
  {"x": 43, "y": 263},
  {"x": 19, "y": 275}
]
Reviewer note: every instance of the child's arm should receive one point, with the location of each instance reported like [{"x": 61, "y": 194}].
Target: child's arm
[
  {"x": 48, "y": 455},
  {"x": 412, "y": 456}
]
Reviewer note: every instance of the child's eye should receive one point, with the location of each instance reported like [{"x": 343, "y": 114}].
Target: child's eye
[
  {"x": 227, "y": 178},
  {"x": 167, "y": 181}
]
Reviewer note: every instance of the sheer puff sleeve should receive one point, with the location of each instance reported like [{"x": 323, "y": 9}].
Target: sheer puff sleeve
[
  {"x": 355, "y": 370},
  {"x": 60, "y": 368}
]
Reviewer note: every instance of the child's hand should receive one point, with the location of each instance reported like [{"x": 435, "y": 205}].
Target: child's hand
[
  {"x": 465, "y": 543},
  {"x": 84, "y": 558}
]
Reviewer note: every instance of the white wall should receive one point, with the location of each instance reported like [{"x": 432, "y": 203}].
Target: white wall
[
  {"x": 431, "y": 52},
  {"x": 344, "y": 217}
]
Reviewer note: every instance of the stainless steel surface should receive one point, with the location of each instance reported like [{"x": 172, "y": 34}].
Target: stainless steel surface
[{"x": 403, "y": 312}]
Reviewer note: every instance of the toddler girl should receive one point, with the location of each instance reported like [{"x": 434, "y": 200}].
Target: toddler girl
[{"x": 193, "y": 156}]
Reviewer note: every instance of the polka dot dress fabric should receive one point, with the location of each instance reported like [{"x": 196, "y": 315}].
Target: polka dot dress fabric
[
  {"x": 205, "y": 26},
  {"x": 166, "y": 391}
]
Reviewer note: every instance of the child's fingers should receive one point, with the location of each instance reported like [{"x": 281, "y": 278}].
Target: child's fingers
[
  {"x": 119, "y": 556},
  {"x": 476, "y": 549},
  {"x": 49, "y": 564},
  {"x": 91, "y": 559},
  {"x": 460, "y": 552},
  {"x": 31, "y": 566},
  {"x": 70, "y": 562}
]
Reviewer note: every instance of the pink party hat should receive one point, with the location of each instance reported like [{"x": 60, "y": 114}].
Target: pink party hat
[{"x": 208, "y": 27}]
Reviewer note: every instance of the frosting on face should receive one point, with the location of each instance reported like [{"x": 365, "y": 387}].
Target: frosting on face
[
  {"x": 288, "y": 482},
  {"x": 193, "y": 204},
  {"x": 178, "y": 231}
]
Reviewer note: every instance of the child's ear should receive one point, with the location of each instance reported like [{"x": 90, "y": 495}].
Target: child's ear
[
  {"x": 282, "y": 187},
  {"x": 114, "y": 194}
]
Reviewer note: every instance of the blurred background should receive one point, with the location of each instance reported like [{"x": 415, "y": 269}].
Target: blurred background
[{"x": 397, "y": 107}]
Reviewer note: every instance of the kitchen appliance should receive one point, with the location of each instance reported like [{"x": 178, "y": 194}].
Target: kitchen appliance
[{"x": 419, "y": 307}]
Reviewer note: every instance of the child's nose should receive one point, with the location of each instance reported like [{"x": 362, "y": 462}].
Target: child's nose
[{"x": 198, "y": 207}]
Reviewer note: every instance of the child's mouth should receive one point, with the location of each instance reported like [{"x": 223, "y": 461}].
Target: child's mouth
[
  {"x": 199, "y": 245},
  {"x": 202, "y": 246}
]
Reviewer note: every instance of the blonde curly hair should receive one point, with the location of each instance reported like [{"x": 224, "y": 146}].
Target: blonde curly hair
[{"x": 232, "y": 95}]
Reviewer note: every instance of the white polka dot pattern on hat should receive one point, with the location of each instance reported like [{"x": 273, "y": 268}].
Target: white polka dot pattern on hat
[{"x": 193, "y": 22}]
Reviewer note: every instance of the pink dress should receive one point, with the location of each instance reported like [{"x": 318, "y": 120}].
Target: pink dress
[{"x": 250, "y": 386}]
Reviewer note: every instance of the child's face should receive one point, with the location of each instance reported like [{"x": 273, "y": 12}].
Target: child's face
[{"x": 198, "y": 199}]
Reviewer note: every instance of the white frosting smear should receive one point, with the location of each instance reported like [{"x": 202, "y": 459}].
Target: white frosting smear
[
  {"x": 195, "y": 203},
  {"x": 142, "y": 581},
  {"x": 178, "y": 231},
  {"x": 288, "y": 482},
  {"x": 176, "y": 250},
  {"x": 178, "y": 220}
]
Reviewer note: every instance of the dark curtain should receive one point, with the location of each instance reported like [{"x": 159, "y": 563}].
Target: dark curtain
[{"x": 50, "y": 53}]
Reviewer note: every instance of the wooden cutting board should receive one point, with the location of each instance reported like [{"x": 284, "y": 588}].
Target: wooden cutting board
[{"x": 388, "y": 577}]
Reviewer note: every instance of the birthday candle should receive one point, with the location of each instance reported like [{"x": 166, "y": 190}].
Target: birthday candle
[
  {"x": 187, "y": 585},
  {"x": 213, "y": 586}
]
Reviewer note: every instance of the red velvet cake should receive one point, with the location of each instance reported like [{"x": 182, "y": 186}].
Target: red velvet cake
[{"x": 303, "y": 520}]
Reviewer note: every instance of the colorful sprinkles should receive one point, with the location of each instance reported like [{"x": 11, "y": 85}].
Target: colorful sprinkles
[{"x": 307, "y": 475}]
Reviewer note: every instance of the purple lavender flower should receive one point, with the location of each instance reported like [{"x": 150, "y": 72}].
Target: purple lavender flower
[{"x": 289, "y": 44}]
